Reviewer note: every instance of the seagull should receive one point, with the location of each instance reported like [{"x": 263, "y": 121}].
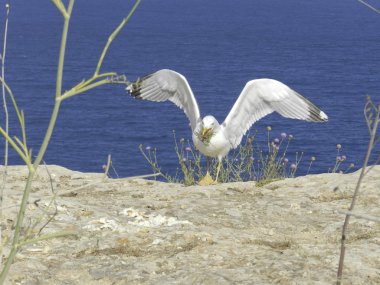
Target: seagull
[{"x": 260, "y": 97}]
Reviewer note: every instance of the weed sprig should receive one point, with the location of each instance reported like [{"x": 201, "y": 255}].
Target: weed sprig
[
  {"x": 19, "y": 144},
  {"x": 247, "y": 162}
]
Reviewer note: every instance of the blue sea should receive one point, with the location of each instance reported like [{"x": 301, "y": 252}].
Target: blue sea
[{"x": 329, "y": 51}]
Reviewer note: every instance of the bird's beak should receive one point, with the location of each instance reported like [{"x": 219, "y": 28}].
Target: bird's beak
[{"x": 205, "y": 131}]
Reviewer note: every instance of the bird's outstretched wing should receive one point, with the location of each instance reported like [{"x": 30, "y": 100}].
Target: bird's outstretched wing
[
  {"x": 261, "y": 97},
  {"x": 166, "y": 85}
]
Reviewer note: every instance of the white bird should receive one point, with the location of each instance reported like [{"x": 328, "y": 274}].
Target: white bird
[{"x": 259, "y": 98}]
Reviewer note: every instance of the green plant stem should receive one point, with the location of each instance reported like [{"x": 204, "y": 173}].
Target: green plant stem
[
  {"x": 13, "y": 100},
  {"x": 87, "y": 84},
  {"x": 81, "y": 87},
  {"x": 15, "y": 146},
  {"x": 21, "y": 118},
  {"x": 74, "y": 92},
  {"x": 61, "y": 59},
  {"x": 308, "y": 170},
  {"x": 84, "y": 83},
  {"x": 113, "y": 35},
  {"x": 4, "y": 98},
  {"x": 370, "y": 6},
  {"x": 48, "y": 236},
  {"x": 355, "y": 196},
  {"x": 48, "y": 134},
  {"x": 33, "y": 168},
  {"x": 5, "y": 106},
  {"x": 17, "y": 231},
  {"x": 61, "y": 8},
  {"x": 58, "y": 89}
]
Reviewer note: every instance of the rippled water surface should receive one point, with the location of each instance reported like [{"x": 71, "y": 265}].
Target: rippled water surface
[{"x": 329, "y": 51}]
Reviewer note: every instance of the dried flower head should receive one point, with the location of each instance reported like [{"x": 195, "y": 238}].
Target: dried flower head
[
  {"x": 148, "y": 148},
  {"x": 338, "y": 146},
  {"x": 283, "y": 135},
  {"x": 312, "y": 158},
  {"x": 293, "y": 166},
  {"x": 269, "y": 128},
  {"x": 188, "y": 148}
]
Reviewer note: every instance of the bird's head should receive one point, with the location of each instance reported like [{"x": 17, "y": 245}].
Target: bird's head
[{"x": 209, "y": 126}]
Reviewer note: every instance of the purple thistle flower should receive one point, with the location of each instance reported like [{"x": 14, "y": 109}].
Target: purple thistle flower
[
  {"x": 338, "y": 158},
  {"x": 252, "y": 158},
  {"x": 188, "y": 148},
  {"x": 291, "y": 137},
  {"x": 344, "y": 157},
  {"x": 286, "y": 160},
  {"x": 293, "y": 166},
  {"x": 283, "y": 135},
  {"x": 276, "y": 140},
  {"x": 148, "y": 148},
  {"x": 184, "y": 159}
]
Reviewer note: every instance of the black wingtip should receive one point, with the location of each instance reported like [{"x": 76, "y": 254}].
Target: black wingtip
[
  {"x": 134, "y": 89},
  {"x": 317, "y": 115}
]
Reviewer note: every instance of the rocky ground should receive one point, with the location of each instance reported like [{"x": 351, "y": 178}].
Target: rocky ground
[{"x": 135, "y": 231}]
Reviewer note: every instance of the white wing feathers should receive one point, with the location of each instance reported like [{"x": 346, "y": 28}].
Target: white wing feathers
[
  {"x": 166, "y": 85},
  {"x": 261, "y": 97}
]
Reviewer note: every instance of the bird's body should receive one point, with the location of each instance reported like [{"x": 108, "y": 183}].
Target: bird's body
[
  {"x": 218, "y": 146},
  {"x": 259, "y": 98}
]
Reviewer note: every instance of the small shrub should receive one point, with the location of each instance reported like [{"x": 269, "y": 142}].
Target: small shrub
[{"x": 249, "y": 162}]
